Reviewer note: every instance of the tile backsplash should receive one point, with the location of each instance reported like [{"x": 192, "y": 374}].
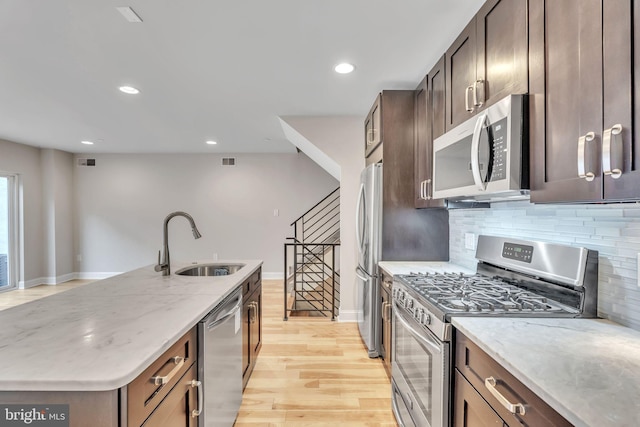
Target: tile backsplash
[{"x": 613, "y": 230}]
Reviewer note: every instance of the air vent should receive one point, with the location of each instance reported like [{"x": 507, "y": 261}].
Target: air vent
[
  {"x": 86, "y": 162},
  {"x": 228, "y": 161}
]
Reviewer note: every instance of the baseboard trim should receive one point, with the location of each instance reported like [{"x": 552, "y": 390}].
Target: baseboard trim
[
  {"x": 272, "y": 276},
  {"x": 95, "y": 275},
  {"x": 348, "y": 316}
]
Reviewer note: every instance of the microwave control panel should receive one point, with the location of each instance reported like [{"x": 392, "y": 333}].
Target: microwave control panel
[{"x": 498, "y": 139}]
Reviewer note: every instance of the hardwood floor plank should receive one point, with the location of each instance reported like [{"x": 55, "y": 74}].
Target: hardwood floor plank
[{"x": 313, "y": 372}]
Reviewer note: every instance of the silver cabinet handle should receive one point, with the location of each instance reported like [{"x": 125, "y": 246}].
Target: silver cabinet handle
[
  {"x": 197, "y": 412},
  {"x": 466, "y": 99},
  {"x": 370, "y": 136},
  {"x": 514, "y": 408},
  {"x": 582, "y": 141},
  {"x": 476, "y": 101},
  {"x": 475, "y": 152},
  {"x": 423, "y": 190},
  {"x": 179, "y": 362},
  {"x": 607, "y": 150},
  {"x": 359, "y": 207},
  {"x": 427, "y": 189}
]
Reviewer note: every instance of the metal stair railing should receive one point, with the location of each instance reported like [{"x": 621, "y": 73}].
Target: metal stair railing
[{"x": 310, "y": 262}]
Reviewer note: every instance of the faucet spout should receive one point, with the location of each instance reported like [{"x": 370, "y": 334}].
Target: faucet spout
[{"x": 165, "y": 264}]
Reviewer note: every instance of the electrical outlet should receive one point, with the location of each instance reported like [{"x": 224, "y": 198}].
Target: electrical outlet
[
  {"x": 215, "y": 256},
  {"x": 276, "y": 212},
  {"x": 79, "y": 258},
  {"x": 469, "y": 241}
]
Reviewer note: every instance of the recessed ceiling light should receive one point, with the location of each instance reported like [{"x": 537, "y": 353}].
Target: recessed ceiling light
[
  {"x": 87, "y": 142},
  {"x": 129, "y": 90},
  {"x": 344, "y": 68},
  {"x": 211, "y": 142}
]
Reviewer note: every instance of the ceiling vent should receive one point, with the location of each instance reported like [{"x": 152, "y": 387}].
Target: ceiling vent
[
  {"x": 86, "y": 162},
  {"x": 228, "y": 161}
]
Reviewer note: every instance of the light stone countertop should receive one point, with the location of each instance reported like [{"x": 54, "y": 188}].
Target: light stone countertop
[
  {"x": 102, "y": 335},
  {"x": 588, "y": 370},
  {"x": 393, "y": 268}
]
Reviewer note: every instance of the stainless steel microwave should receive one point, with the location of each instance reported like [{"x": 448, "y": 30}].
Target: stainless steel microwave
[{"x": 485, "y": 158}]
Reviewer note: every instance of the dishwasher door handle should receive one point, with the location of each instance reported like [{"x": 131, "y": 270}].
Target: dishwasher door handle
[{"x": 231, "y": 313}]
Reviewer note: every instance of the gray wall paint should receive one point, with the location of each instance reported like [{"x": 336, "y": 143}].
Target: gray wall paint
[
  {"x": 613, "y": 230},
  {"x": 57, "y": 184},
  {"x": 25, "y": 161},
  {"x": 122, "y": 201}
]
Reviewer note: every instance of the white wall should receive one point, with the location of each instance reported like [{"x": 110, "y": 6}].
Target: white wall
[
  {"x": 25, "y": 161},
  {"x": 121, "y": 204},
  {"x": 340, "y": 138},
  {"x": 57, "y": 185}
]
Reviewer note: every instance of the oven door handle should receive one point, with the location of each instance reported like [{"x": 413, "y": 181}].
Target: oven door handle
[
  {"x": 396, "y": 411},
  {"x": 425, "y": 339}
]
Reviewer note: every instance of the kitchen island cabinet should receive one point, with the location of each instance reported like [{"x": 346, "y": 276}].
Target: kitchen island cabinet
[
  {"x": 89, "y": 347},
  {"x": 488, "y": 60},
  {"x": 584, "y": 92},
  {"x": 251, "y": 324}
]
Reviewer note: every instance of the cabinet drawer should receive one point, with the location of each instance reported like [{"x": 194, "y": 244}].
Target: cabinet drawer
[
  {"x": 252, "y": 283},
  {"x": 470, "y": 409},
  {"x": 147, "y": 390},
  {"x": 477, "y": 366},
  {"x": 177, "y": 408}
]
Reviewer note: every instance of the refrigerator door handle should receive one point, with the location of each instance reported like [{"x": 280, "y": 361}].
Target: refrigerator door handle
[
  {"x": 358, "y": 215},
  {"x": 360, "y": 276}
]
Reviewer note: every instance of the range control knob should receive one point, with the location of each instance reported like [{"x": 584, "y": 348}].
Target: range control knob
[
  {"x": 426, "y": 319},
  {"x": 409, "y": 303},
  {"x": 418, "y": 314}
]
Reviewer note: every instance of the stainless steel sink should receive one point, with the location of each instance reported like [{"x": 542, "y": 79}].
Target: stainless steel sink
[{"x": 213, "y": 269}]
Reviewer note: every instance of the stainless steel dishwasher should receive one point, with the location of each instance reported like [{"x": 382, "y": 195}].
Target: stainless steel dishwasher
[{"x": 220, "y": 362}]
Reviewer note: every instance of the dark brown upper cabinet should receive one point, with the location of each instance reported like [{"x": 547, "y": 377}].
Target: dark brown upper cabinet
[
  {"x": 429, "y": 123},
  {"x": 373, "y": 132},
  {"x": 584, "y": 58},
  {"x": 488, "y": 60}
]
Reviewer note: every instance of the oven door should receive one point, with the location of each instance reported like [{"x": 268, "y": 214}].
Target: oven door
[{"x": 420, "y": 372}]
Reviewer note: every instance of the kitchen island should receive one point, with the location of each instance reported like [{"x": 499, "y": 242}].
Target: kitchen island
[
  {"x": 86, "y": 344},
  {"x": 588, "y": 370}
]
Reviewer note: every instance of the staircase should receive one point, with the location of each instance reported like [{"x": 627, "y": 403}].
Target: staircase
[{"x": 312, "y": 261}]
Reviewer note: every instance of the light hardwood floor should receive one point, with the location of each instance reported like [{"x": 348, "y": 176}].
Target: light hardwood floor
[
  {"x": 20, "y": 296},
  {"x": 313, "y": 372}
]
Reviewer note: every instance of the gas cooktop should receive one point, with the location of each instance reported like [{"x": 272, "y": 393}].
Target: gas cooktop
[{"x": 460, "y": 293}]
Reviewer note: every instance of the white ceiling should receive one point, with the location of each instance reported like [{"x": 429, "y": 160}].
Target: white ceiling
[{"x": 207, "y": 69}]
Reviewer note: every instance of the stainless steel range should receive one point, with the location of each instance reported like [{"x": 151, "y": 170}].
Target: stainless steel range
[{"x": 514, "y": 278}]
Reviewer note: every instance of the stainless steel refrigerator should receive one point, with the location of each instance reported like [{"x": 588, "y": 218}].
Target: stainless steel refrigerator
[{"x": 368, "y": 239}]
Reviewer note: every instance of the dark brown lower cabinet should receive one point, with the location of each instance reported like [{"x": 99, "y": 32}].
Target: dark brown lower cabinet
[
  {"x": 251, "y": 325},
  {"x": 176, "y": 410},
  {"x": 477, "y": 371},
  {"x": 471, "y": 410}
]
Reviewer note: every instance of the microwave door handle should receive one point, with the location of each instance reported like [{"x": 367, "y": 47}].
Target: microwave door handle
[{"x": 475, "y": 152}]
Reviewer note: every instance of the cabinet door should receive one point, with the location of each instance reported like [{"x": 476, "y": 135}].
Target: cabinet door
[
  {"x": 565, "y": 99},
  {"x": 437, "y": 99},
  {"x": 621, "y": 67},
  {"x": 372, "y": 128},
  {"x": 502, "y": 51},
  {"x": 256, "y": 325},
  {"x": 247, "y": 310},
  {"x": 461, "y": 74},
  {"x": 422, "y": 174},
  {"x": 176, "y": 409},
  {"x": 470, "y": 409}
]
